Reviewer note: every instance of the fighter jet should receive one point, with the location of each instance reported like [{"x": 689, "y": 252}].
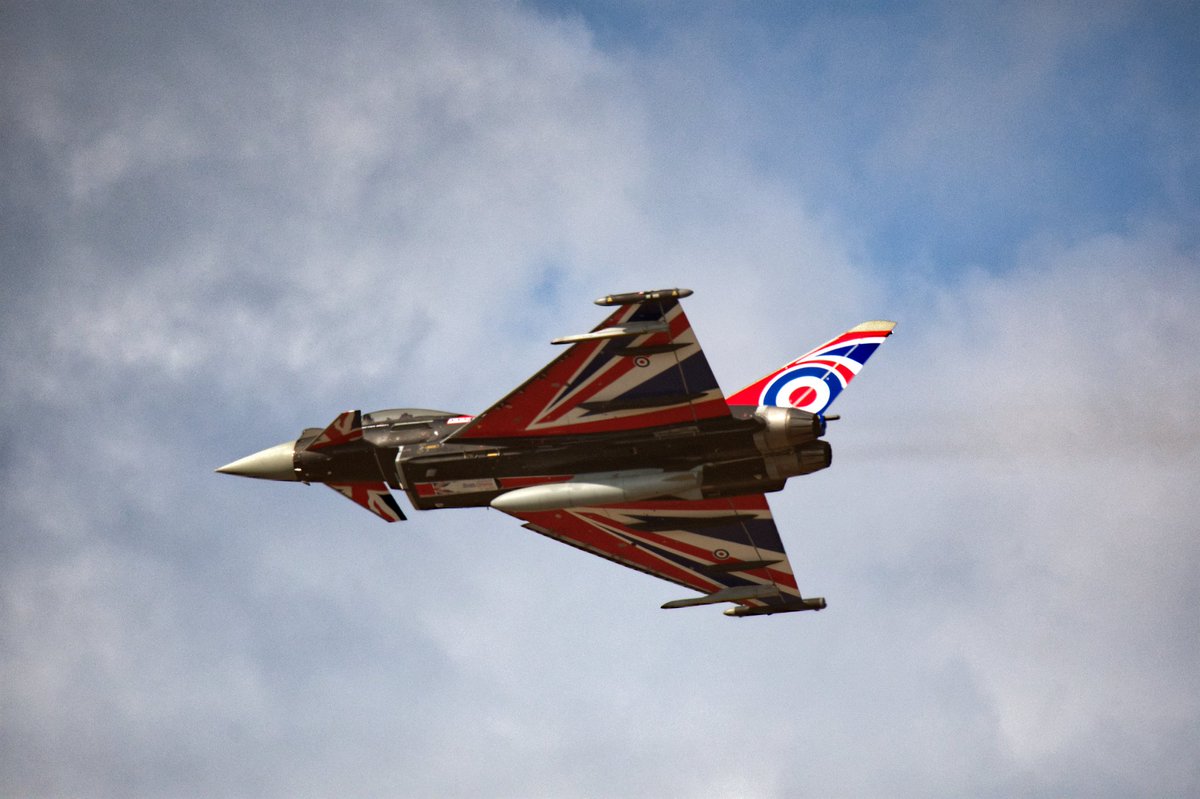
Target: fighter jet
[{"x": 623, "y": 446}]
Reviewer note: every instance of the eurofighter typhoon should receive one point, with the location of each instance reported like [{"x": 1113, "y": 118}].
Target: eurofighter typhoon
[{"x": 623, "y": 446}]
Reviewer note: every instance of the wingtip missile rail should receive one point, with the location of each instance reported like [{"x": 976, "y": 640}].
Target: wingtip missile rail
[{"x": 633, "y": 297}]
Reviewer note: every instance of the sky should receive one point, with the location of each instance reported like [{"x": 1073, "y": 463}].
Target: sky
[{"x": 223, "y": 224}]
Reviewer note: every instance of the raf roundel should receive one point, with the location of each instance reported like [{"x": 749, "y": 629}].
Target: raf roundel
[
  {"x": 803, "y": 387},
  {"x": 814, "y": 380},
  {"x": 804, "y": 396}
]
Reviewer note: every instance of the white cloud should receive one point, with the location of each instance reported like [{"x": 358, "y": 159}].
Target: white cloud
[
  {"x": 1080, "y": 350},
  {"x": 405, "y": 209},
  {"x": 1034, "y": 462}
]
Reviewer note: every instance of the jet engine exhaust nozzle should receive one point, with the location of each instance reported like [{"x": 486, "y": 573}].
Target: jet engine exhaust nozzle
[{"x": 784, "y": 428}]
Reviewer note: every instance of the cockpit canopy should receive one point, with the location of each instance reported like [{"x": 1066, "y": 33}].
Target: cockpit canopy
[{"x": 402, "y": 415}]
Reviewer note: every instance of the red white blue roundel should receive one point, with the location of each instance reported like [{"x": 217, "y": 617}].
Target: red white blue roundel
[
  {"x": 813, "y": 381},
  {"x": 805, "y": 386}
]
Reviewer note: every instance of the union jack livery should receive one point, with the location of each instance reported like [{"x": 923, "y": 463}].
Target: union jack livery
[
  {"x": 372, "y": 496},
  {"x": 623, "y": 446},
  {"x": 345, "y": 428},
  {"x": 641, "y": 367},
  {"x": 813, "y": 381}
]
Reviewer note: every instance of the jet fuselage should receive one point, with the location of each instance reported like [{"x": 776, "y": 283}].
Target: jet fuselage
[
  {"x": 623, "y": 446},
  {"x": 414, "y": 450}
]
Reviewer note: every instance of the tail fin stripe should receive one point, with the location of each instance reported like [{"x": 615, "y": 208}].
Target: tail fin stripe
[{"x": 814, "y": 380}]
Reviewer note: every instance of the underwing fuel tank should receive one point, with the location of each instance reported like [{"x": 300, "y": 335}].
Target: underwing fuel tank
[{"x": 606, "y": 488}]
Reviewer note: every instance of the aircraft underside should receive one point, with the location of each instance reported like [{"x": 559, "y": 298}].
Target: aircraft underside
[{"x": 623, "y": 446}]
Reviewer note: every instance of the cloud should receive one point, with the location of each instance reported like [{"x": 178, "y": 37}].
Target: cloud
[
  {"x": 1081, "y": 349},
  {"x": 228, "y": 225},
  {"x": 1045, "y": 546}
]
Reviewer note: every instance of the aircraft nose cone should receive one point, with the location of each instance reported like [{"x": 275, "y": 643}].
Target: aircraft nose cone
[{"x": 272, "y": 463}]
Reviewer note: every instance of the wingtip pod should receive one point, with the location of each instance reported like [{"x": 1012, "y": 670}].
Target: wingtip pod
[
  {"x": 792, "y": 606},
  {"x": 642, "y": 296},
  {"x": 813, "y": 381}
]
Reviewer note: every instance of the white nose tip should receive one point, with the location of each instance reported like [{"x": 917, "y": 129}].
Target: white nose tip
[{"x": 272, "y": 463}]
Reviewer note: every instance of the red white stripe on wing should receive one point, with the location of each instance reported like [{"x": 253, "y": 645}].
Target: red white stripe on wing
[
  {"x": 703, "y": 549},
  {"x": 652, "y": 379},
  {"x": 671, "y": 540},
  {"x": 621, "y": 375}
]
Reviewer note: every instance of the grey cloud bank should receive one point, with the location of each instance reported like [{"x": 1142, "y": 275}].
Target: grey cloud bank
[{"x": 220, "y": 227}]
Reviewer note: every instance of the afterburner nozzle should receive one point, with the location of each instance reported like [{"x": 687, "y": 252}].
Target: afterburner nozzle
[{"x": 272, "y": 463}]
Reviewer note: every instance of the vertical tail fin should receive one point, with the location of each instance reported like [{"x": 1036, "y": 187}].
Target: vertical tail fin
[{"x": 813, "y": 381}]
